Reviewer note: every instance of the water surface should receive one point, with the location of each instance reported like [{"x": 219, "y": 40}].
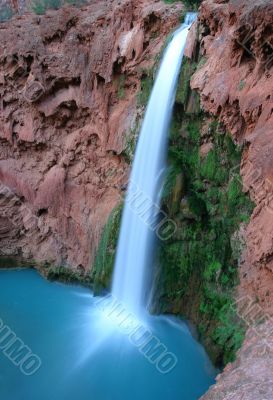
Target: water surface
[{"x": 83, "y": 356}]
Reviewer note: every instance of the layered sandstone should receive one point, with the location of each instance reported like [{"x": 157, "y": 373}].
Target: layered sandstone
[{"x": 68, "y": 86}]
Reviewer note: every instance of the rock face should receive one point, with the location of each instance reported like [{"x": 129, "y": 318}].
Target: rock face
[
  {"x": 250, "y": 377},
  {"x": 235, "y": 80},
  {"x": 68, "y": 85}
]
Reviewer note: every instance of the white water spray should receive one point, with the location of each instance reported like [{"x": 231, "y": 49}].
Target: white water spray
[{"x": 134, "y": 258}]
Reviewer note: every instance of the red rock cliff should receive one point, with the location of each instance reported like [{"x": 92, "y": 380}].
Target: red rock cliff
[
  {"x": 236, "y": 82},
  {"x": 68, "y": 85}
]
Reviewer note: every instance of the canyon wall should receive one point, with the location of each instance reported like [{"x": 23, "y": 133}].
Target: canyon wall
[
  {"x": 68, "y": 108},
  {"x": 68, "y": 104},
  {"x": 235, "y": 81}
]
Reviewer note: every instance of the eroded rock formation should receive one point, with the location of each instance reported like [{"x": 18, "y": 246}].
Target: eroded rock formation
[
  {"x": 68, "y": 85},
  {"x": 236, "y": 83},
  {"x": 235, "y": 80}
]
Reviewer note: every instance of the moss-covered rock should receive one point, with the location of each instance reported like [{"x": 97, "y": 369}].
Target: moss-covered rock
[
  {"x": 6, "y": 13},
  {"x": 200, "y": 262},
  {"x": 66, "y": 275},
  {"x": 104, "y": 262}
]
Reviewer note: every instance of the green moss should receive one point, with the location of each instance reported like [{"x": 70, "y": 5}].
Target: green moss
[
  {"x": 76, "y": 3},
  {"x": 147, "y": 81},
  {"x": 131, "y": 141},
  {"x": 183, "y": 88},
  {"x": 41, "y": 6},
  {"x": 148, "y": 76},
  {"x": 130, "y": 146},
  {"x": 199, "y": 267},
  {"x": 121, "y": 87},
  {"x": 174, "y": 257},
  {"x": 212, "y": 270},
  {"x": 241, "y": 85},
  {"x": 234, "y": 190},
  {"x": 105, "y": 257},
  {"x": 66, "y": 275},
  {"x": 171, "y": 176},
  {"x": 209, "y": 166},
  {"x": 5, "y": 13},
  {"x": 201, "y": 62}
]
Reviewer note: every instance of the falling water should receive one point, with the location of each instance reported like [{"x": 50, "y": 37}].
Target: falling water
[{"x": 134, "y": 258}]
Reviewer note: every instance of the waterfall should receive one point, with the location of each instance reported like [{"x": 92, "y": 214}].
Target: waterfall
[{"x": 142, "y": 220}]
